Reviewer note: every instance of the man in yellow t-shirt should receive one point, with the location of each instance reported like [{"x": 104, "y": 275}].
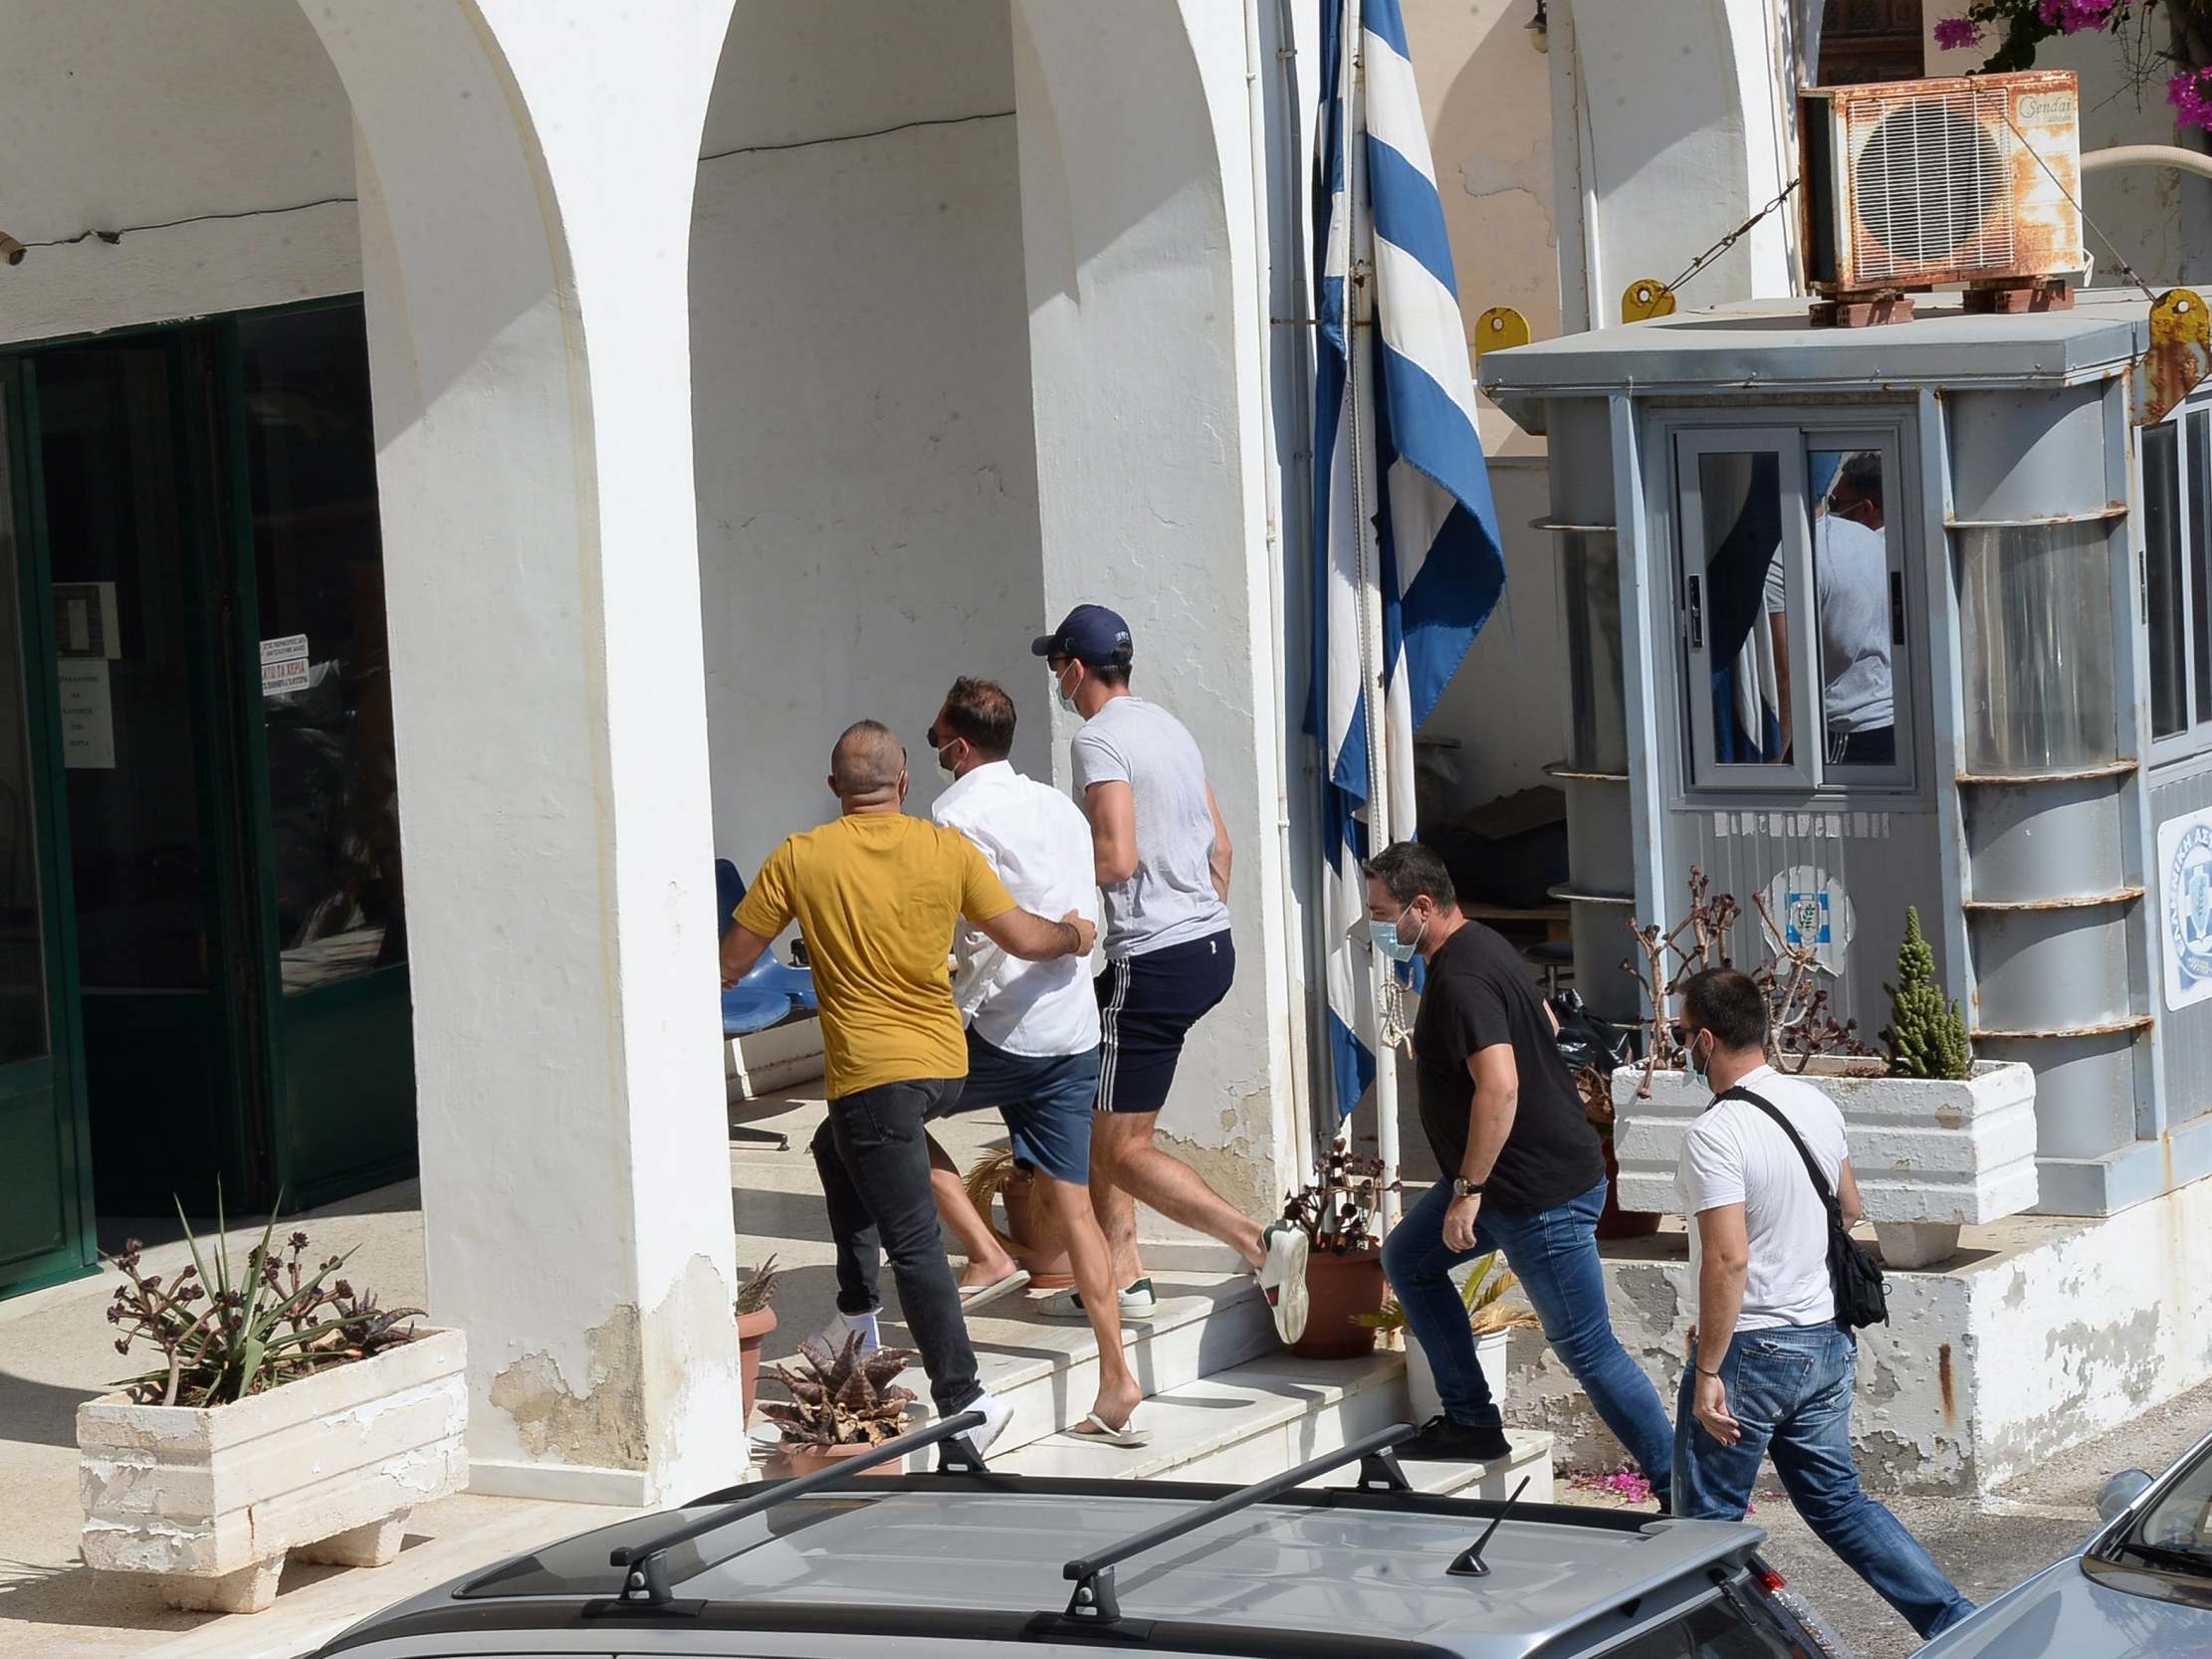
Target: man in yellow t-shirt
[{"x": 877, "y": 895}]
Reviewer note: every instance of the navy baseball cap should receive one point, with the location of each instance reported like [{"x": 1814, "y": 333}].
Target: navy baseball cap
[{"x": 1091, "y": 634}]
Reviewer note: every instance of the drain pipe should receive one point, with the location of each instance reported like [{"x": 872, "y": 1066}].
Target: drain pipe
[{"x": 1295, "y": 927}]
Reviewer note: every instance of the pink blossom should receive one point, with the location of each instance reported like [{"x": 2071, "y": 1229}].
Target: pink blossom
[
  {"x": 2072, "y": 16},
  {"x": 1952, "y": 33},
  {"x": 2190, "y": 94}
]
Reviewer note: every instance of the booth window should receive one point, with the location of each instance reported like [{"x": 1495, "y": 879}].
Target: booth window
[
  {"x": 1794, "y": 610},
  {"x": 2177, "y": 577}
]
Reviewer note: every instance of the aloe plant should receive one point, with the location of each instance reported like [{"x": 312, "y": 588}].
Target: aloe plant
[
  {"x": 758, "y": 1288},
  {"x": 275, "y": 1320},
  {"x": 846, "y": 1399}
]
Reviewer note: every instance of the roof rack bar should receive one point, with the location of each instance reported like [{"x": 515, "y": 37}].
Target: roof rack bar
[
  {"x": 645, "y": 1582},
  {"x": 1094, "y": 1601}
]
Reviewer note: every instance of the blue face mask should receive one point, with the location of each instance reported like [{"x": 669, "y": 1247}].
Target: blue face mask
[
  {"x": 1386, "y": 940},
  {"x": 1696, "y": 1066}
]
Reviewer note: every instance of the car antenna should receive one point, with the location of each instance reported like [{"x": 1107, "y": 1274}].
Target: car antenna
[{"x": 1470, "y": 1564}]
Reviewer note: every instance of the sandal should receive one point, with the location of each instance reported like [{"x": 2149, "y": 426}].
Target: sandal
[{"x": 1129, "y": 1434}]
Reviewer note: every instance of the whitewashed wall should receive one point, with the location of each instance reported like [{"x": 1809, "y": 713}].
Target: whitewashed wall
[
  {"x": 121, "y": 115},
  {"x": 867, "y": 477}
]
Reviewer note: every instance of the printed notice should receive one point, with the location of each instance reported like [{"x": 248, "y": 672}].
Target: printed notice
[
  {"x": 2185, "y": 887},
  {"x": 88, "y": 715},
  {"x": 284, "y": 665}
]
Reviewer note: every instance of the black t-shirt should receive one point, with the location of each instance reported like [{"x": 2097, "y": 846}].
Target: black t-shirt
[{"x": 1478, "y": 994}]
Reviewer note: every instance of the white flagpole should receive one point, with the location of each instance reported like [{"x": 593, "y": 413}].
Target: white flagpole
[{"x": 1360, "y": 272}]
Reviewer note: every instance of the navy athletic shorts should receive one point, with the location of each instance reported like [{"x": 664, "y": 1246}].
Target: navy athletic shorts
[{"x": 1145, "y": 1006}]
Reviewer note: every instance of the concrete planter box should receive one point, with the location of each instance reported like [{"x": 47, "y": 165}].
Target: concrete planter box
[
  {"x": 207, "y": 1503},
  {"x": 1930, "y": 1156}
]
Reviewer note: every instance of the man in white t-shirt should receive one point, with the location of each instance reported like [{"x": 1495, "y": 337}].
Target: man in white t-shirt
[
  {"x": 1772, "y": 1373},
  {"x": 1032, "y": 1028}
]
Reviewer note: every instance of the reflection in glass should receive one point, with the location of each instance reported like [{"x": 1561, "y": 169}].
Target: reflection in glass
[
  {"x": 109, "y": 466},
  {"x": 326, "y": 677},
  {"x": 22, "y": 936},
  {"x": 2162, "y": 582},
  {"x": 1851, "y": 607},
  {"x": 2038, "y": 635},
  {"x": 1745, "y": 606},
  {"x": 1590, "y": 613},
  {"x": 2203, "y": 613}
]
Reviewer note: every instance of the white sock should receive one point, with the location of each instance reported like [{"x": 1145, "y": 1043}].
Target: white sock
[{"x": 845, "y": 1325}]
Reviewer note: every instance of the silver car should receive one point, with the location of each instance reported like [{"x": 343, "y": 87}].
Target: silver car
[
  {"x": 2140, "y": 1588},
  {"x": 964, "y": 1561}
]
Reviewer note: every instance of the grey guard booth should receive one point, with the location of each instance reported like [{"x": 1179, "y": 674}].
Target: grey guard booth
[{"x": 2022, "y": 816}]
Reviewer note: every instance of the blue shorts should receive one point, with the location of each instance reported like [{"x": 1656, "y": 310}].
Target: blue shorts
[
  {"x": 1045, "y": 1099},
  {"x": 1145, "y": 1006}
]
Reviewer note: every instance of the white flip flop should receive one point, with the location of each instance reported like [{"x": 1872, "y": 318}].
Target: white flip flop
[
  {"x": 1104, "y": 1433},
  {"x": 982, "y": 1296}
]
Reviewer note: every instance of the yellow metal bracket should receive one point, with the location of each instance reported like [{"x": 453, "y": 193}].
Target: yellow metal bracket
[
  {"x": 1499, "y": 328},
  {"x": 2179, "y": 357},
  {"x": 1644, "y": 298}
]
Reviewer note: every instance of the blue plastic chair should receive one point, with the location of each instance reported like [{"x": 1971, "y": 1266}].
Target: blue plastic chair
[{"x": 773, "y": 990}]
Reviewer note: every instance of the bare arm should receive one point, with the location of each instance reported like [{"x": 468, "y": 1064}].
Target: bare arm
[
  {"x": 1779, "y": 622},
  {"x": 1846, "y": 1195},
  {"x": 1034, "y": 939},
  {"x": 1112, "y": 810},
  {"x": 741, "y": 948},
  {"x": 1218, "y": 860},
  {"x": 1497, "y": 1101},
  {"x": 1724, "y": 1252}
]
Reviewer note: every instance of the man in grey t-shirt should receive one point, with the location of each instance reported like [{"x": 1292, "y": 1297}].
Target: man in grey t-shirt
[{"x": 1162, "y": 858}]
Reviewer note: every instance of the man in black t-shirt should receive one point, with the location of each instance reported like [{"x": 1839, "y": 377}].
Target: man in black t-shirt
[{"x": 1523, "y": 1174}]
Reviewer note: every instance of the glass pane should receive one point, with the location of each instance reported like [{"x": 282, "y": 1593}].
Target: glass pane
[
  {"x": 1852, "y": 607},
  {"x": 2038, "y": 637},
  {"x": 2162, "y": 579},
  {"x": 2200, "y": 532},
  {"x": 1719, "y": 1631},
  {"x": 1745, "y": 607},
  {"x": 1589, "y": 590},
  {"x": 22, "y": 933},
  {"x": 334, "y": 798},
  {"x": 108, "y": 448}
]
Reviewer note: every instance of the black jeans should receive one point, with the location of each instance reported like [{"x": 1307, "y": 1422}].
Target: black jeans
[{"x": 874, "y": 1162}]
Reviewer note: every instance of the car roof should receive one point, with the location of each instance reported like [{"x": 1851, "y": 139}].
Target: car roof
[{"x": 967, "y": 1559}]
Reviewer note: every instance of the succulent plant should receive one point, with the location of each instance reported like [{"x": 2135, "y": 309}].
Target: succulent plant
[
  {"x": 229, "y": 1335},
  {"x": 758, "y": 1288},
  {"x": 1483, "y": 1294},
  {"x": 846, "y": 1399},
  {"x": 1337, "y": 1212},
  {"x": 1926, "y": 1036}
]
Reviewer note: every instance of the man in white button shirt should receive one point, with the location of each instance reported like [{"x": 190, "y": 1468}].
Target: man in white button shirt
[
  {"x": 1032, "y": 1027},
  {"x": 1772, "y": 1373}
]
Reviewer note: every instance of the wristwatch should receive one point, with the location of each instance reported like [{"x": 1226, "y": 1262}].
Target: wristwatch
[{"x": 1461, "y": 1187}]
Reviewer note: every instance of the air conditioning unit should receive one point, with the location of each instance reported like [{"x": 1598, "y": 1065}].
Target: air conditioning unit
[{"x": 1972, "y": 180}]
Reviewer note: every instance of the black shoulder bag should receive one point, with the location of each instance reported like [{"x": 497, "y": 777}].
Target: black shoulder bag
[{"x": 1862, "y": 1299}]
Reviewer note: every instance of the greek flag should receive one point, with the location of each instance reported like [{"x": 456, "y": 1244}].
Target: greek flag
[{"x": 1401, "y": 418}]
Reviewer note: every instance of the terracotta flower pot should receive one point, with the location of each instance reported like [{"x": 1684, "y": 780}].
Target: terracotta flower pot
[
  {"x": 1336, "y": 1289},
  {"x": 1037, "y": 1242},
  {"x": 804, "y": 1460},
  {"x": 752, "y": 1331},
  {"x": 1613, "y": 1220}
]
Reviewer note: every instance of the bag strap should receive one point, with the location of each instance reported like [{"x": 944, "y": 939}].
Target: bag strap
[{"x": 1812, "y": 1168}]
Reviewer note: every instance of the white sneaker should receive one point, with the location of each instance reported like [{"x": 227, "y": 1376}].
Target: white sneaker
[
  {"x": 1136, "y": 1302},
  {"x": 1282, "y": 1278},
  {"x": 842, "y": 1324},
  {"x": 998, "y": 1413}
]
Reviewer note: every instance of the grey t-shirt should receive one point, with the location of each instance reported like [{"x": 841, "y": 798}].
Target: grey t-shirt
[{"x": 1170, "y": 898}]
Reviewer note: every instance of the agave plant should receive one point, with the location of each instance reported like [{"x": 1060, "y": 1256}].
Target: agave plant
[
  {"x": 226, "y": 1334},
  {"x": 1483, "y": 1292},
  {"x": 846, "y": 1399}
]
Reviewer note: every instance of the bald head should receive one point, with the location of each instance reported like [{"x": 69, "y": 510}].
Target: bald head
[{"x": 866, "y": 767}]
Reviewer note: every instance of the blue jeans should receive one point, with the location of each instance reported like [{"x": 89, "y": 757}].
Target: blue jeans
[
  {"x": 1790, "y": 1388},
  {"x": 1554, "y": 1253}
]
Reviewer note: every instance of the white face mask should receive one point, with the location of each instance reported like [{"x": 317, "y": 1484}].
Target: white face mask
[
  {"x": 945, "y": 770},
  {"x": 1067, "y": 702}
]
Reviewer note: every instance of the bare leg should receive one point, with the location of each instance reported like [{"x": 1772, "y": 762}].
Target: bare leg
[
  {"x": 1121, "y": 1146},
  {"x": 1093, "y": 1266},
  {"x": 988, "y": 1261}
]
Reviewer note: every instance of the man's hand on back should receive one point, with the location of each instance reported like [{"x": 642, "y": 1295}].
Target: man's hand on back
[{"x": 1034, "y": 939}]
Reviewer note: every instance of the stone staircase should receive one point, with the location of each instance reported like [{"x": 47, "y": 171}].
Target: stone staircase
[{"x": 1224, "y": 1401}]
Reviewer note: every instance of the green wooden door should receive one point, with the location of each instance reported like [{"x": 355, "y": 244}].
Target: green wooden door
[
  {"x": 46, "y": 1196},
  {"x": 317, "y": 750}
]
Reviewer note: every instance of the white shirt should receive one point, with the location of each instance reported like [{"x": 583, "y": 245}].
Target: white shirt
[
  {"x": 1734, "y": 1153},
  {"x": 1039, "y": 844}
]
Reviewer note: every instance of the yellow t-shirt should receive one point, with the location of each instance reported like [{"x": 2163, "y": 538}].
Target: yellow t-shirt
[{"x": 877, "y": 895}]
